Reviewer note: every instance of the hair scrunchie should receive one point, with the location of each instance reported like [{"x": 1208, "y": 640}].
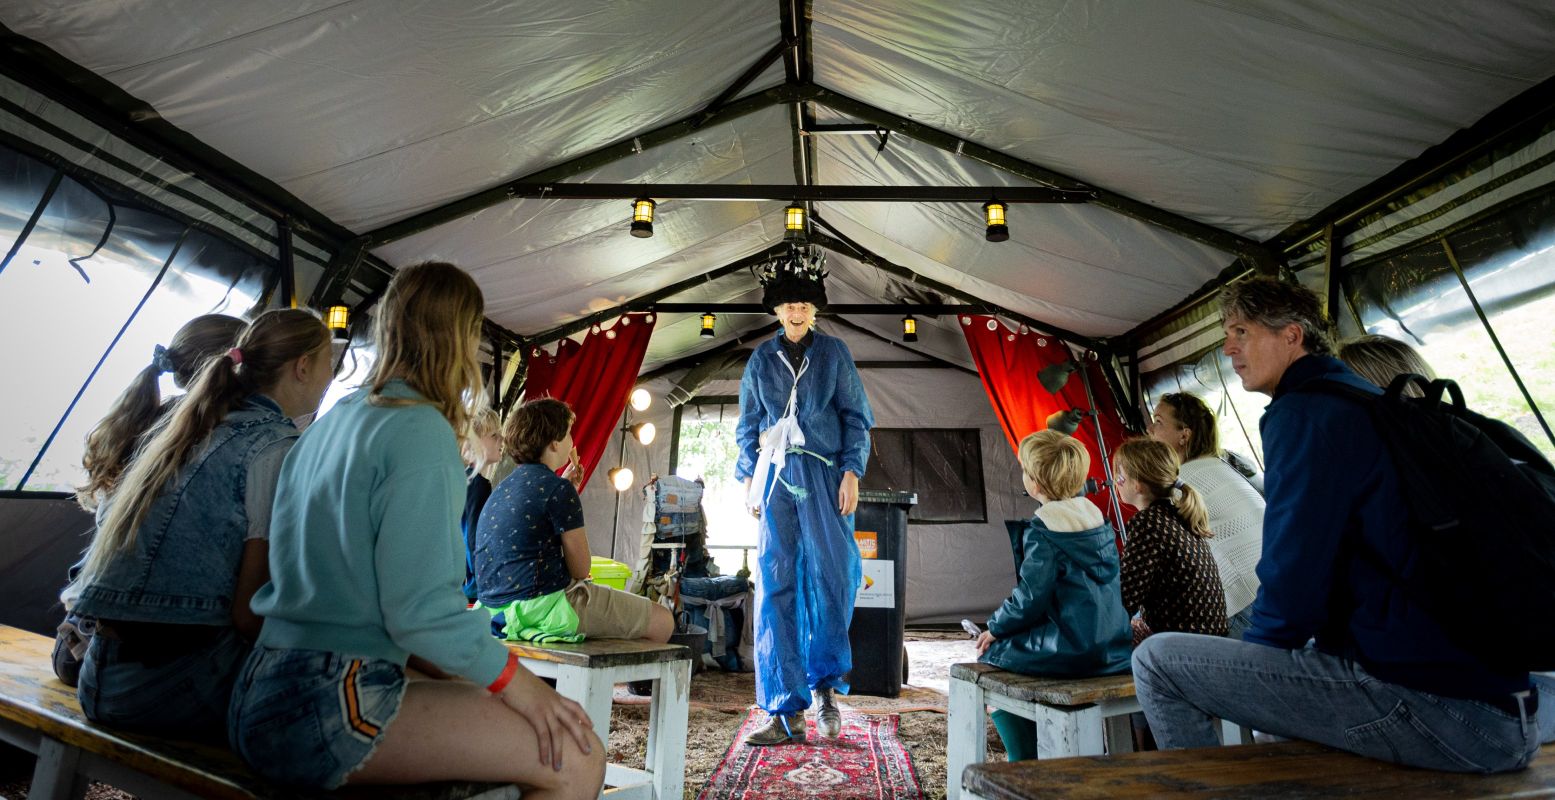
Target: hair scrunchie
[
  {"x": 162, "y": 359},
  {"x": 236, "y": 355},
  {"x": 1179, "y": 485}
]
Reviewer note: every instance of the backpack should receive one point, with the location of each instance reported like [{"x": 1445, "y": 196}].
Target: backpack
[{"x": 1481, "y": 502}]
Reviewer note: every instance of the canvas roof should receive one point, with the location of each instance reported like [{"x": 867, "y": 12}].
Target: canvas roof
[{"x": 1232, "y": 118}]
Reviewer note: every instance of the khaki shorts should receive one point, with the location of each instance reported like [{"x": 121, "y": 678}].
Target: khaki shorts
[{"x": 606, "y": 613}]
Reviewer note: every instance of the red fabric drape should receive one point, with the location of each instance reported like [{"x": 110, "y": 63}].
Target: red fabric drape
[
  {"x": 1008, "y": 362},
  {"x": 595, "y": 377}
]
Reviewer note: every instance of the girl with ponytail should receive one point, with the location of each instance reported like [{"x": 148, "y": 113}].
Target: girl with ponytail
[
  {"x": 181, "y": 544},
  {"x": 365, "y": 576},
  {"x": 1169, "y": 574},
  {"x": 110, "y": 444}
]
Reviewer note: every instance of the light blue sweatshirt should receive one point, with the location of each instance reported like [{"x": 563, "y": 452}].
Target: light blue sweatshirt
[{"x": 366, "y": 558}]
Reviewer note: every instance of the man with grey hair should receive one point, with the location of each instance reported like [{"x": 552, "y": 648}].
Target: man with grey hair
[{"x": 1337, "y": 652}]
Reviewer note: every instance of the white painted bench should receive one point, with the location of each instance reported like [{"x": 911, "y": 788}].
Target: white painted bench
[
  {"x": 587, "y": 672},
  {"x": 1074, "y": 716}
]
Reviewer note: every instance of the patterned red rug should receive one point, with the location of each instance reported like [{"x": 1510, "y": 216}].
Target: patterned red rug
[{"x": 867, "y": 762}]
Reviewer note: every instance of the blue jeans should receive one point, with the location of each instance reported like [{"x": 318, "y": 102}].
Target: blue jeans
[
  {"x": 1185, "y": 681},
  {"x": 183, "y": 696},
  {"x": 310, "y": 718},
  {"x": 1239, "y": 622}
]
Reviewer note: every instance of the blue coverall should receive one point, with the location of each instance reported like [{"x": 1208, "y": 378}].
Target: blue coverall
[{"x": 809, "y": 563}]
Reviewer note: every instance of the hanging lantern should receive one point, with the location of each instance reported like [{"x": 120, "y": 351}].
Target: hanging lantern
[
  {"x": 707, "y": 325},
  {"x": 621, "y": 478},
  {"x": 909, "y": 329},
  {"x": 993, "y": 215},
  {"x": 339, "y": 322},
  {"x": 793, "y": 223},
  {"x": 642, "y": 217},
  {"x": 641, "y": 399}
]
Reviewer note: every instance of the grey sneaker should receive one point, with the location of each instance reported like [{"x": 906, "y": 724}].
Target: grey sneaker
[
  {"x": 780, "y": 729},
  {"x": 828, "y": 720}
]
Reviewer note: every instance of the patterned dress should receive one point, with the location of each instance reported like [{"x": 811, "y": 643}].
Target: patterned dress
[{"x": 1170, "y": 574}]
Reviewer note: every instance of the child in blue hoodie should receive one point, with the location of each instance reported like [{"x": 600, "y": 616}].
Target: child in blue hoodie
[{"x": 1065, "y": 617}]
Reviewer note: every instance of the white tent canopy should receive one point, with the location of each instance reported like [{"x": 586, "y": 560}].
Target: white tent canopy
[
  {"x": 1211, "y": 134},
  {"x": 1245, "y": 117}
]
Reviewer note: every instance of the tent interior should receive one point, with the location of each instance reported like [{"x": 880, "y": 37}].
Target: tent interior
[{"x": 1397, "y": 157}]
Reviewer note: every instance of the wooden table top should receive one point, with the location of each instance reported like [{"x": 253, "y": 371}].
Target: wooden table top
[
  {"x": 1283, "y": 771},
  {"x": 598, "y": 653},
  {"x": 1052, "y": 691}
]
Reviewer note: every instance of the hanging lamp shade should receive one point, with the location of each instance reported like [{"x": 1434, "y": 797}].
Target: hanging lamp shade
[
  {"x": 642, "y": 217},
  {"x": 998, "y": 227},
  {"x": 793, "y": 223},
  {"x": 338, "y": 320}
]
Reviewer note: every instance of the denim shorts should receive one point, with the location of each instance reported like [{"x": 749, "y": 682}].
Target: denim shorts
[
  {"x": 179, "y": 694},
  {"x": 311, "y": 718}
]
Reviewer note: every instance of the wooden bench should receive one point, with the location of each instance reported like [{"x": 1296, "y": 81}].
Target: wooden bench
[
  {"x": 1283, "y": 771},
  {"x": 587, "y": 672},
  {"x": 39, "y": 714},
  {"x": 1074, "y": 716}
]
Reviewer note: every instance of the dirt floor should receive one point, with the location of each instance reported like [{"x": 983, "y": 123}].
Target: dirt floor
[{"x": 720, "y": 702}]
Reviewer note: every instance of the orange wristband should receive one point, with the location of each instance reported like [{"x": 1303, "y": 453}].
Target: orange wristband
[{"x": 506, "y": 677}]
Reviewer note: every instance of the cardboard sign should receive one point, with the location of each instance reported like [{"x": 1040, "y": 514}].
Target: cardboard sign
[
  {"x": 868, "y": 544},
  {"x": 878, "y": 587}
]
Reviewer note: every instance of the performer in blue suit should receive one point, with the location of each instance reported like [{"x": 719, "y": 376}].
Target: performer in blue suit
[{"x": 804, "y": 441}]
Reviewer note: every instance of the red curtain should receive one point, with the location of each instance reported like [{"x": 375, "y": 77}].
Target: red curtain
[
  {"x": 595, "y": 377},
  {"x": 1008, "y": 362}
]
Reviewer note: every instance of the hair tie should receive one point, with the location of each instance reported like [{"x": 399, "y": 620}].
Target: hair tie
[
  {"x": 162, "y": 359},
  {"x": 1179, "y": 485},
  {"x": 236, "y": 355}
]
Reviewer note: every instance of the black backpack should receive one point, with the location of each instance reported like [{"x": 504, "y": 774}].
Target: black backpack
[{"x": 1481, "y": 502}]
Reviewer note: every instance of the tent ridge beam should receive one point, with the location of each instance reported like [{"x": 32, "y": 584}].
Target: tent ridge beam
[
  {"x": 691, "y": 361},
  {"x": 833, "y": 309},
  {"x": 646, "y": 302},
  {"x": 800, "y": 192},
  {"x": 842, "y": 244},
  {"x": 624, "y": 148},
  {"x": 709, "y": 112},
  {"x": 1188, "y": 228}
]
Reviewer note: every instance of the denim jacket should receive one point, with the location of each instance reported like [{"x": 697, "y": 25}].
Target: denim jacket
[{"x": 183, "y": 566}]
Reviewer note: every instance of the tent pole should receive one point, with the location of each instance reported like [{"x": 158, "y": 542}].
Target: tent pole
[
  {"x": 1101, "y": 445},
  {"x": 1452, "y": 258}
]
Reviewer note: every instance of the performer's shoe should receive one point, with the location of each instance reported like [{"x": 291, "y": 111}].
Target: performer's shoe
[
  {"x": 828, "y": 720},
  {"x": 780, "y": 729}
]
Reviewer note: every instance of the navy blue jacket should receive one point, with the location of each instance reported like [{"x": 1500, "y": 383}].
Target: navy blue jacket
[{"x": 1331, "y": 485}]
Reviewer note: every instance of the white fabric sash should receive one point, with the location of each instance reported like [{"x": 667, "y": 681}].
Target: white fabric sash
[{"x": 785, "y": 433}]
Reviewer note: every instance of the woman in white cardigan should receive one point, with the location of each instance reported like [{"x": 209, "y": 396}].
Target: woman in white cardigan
[{"x": 1184, "y": 423}]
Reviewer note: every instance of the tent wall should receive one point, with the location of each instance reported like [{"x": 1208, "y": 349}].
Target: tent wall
[
  {"x": 42, "y": 538},
  {"x": 953, "y": 570}
]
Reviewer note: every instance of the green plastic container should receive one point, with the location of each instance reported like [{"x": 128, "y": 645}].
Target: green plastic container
[{"x": 606, "y": 572}]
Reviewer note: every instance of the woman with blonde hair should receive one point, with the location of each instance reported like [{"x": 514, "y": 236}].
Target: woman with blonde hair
[
  {"x": 1169, "y": 574},
  {"x": 113, "y": 440},
  {"x": 1233, "y": 505},
  {"x": 1380, "y": 359},
  {"x": 365, "y": 575},
  {"x": 181, "y": 546}
]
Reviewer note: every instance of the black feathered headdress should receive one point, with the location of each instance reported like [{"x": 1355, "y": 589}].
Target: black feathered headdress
[{"x": 796, "y": 277}]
